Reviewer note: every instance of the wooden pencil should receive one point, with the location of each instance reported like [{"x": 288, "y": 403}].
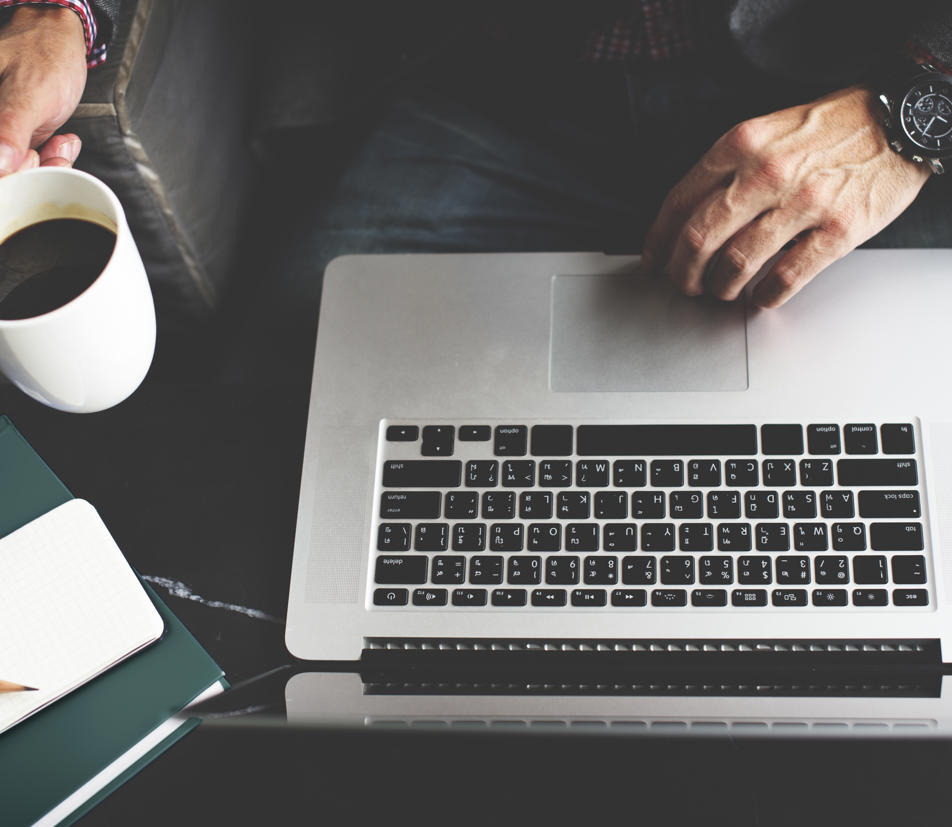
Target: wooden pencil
[{"x": 7, "y": 686}]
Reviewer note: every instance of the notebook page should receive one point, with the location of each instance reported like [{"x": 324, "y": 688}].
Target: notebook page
[{"x": 70, "y": 607}]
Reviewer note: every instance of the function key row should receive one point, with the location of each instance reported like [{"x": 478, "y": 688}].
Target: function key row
[{"x": 662, "y": 440}]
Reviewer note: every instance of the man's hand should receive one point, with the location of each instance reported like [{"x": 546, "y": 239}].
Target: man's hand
[
  {"x": 821, "y": 174},
  {"x": 42, "y": 75}
]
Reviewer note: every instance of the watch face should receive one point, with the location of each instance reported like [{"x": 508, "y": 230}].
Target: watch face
[{"x": 926, "y": 115}]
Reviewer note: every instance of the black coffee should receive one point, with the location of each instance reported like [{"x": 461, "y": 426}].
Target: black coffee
[{"x": 50, "y": 263}]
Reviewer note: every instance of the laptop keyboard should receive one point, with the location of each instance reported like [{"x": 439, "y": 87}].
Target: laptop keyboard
[{"x": 613, "y": 517}]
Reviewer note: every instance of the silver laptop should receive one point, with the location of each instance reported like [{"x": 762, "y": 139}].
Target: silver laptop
[{"x": 549, "y": 454}]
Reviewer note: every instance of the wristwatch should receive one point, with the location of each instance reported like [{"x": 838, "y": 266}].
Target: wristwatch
[{"x": 918, "y": 103}]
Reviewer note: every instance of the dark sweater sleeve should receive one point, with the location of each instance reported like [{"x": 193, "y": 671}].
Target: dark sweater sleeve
[{"x": 107, "y": 13}]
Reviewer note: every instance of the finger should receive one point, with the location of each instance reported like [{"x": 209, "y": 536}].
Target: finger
[
  {"x": 31, "y": 161},
  {"x": 743, "y": 256},
  {"x": 724, "y": 213},
  {"x": 812, "y": 253},
  {"x": 16, "y": 128},
  {"x": 60, "y": 150}
]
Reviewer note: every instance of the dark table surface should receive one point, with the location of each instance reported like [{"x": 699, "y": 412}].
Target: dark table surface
[{"x": 198, "y": 483}]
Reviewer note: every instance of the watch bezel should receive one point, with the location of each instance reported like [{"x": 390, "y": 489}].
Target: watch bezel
[{"x": 900, "y": 99}]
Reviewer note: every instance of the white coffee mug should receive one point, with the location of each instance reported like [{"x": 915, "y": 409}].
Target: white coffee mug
[{"x": 92, "y": 352}]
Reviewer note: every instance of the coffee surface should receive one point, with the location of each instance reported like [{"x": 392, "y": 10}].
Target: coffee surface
[{"x": 48, "y": 264}]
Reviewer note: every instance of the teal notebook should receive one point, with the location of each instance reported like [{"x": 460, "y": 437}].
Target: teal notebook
[{"x": 121, "y": 715}]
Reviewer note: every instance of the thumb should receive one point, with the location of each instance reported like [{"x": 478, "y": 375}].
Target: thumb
[{"x": 17, "y": 125}]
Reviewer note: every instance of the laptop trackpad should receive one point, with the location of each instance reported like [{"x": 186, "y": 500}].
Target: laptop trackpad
[{"x": 636, "y": 333}]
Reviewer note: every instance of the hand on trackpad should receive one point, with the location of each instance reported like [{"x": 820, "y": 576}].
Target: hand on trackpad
[{"x": 626, "y": 332}]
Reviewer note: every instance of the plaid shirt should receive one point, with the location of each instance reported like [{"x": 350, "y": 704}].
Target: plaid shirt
[
  {"x": 656, "y": 30},
  {"x": 95, "y": 48}
]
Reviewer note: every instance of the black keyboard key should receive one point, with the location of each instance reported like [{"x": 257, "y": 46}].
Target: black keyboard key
[
  {"x": 535, "y": 505},
  {"x": 581, "y": 537},
  {"x": 469, "y": 537},
  {"x": 448, "y": 570},
  {"x": 685, "y": 505},
  {"x": 869, "y": 569},
  {"x": 860, "y": 439},
  {"x": 792, "y": 571},
  {"x": 485, "y": 570},
  {"x": 709, "y": 597},
  {"x": 548, "y": 597},
  {"x": 431, "y": 537},
  {"x": 789, "y": 597},
  {"x": 551, "y": 441},
  {"x": 829, "y": 597},
  {"x": 589, "y": 597},
  {"x": 461, "y": 505},
  {"x": 438, "y": 440},
  {"x": 411, "y": 505},
  {"x": 857, "y": 472},
  {"x": 734, "y": 537},
  {"x": 524, "y": 571},
  {"x": 638, "y": 571},
  {"x": 518, "y": 473},
  {"x": 810, "y": 537},
  {"x": 482, "y": 473},
  {"x": 666, "y": 440},
  {"x": 910, "y": 597},
  {"x": 545, "y": 537},
  {"x": 695, "y": 537},
  {"x": 429, "y": 597},
  {"x": 555, "y": 473},
  {"x": 741, "y": 473},
  {"x": 889, "y": 503},
  {"x": 403, "y": 433},
  {"x": 870, "y": 597},
  {"x": 591, "y": 473},
  {"x": 573, "y": 505},
  {"x": 896, "y": 537},
  {"x": 562, "y": 571},
  {"x": 908, "y": 568},
  {"x": 831, "y": 570},
  {"x": 816, "y": 472},
  {"x": 754, "y": 571},
  {"x": 836, "y": 504},
  {"x": 779, "y": 472},
  {"x": 677, "y": 571},
  {"x": 404, "y": 569},
  {"x": 898, "y": 438},
  {"x": 510, "y": 440},
  {"x": 667, "y": 473},
  {"x": 704, "y": 473},
  {"x": 469, "y": 597},
  {"x": 849, "y": 537},
  {"x": 799, "y": 504},
  {"x": 629, "y": 473},
  {"x": 422, "y": 473},
  {"x": 761, "y": 505},
  {"x": 823, "y": 439},
  {"x": 749, "y": 597},
  {"x": 647, "y": 505},
  {"x": 669, "y": 597},
  {"x": 620, "y": 537},
  {"x": 390, "y": 597},
  {"x": 506, "y": 537},
  {"x": 474, "y": 433},
  {"x": 629, "y": 597},
  {"x": 509, "y": 597},
  {"x": 773, "y": 537},
  {"x": 393, "y": 537},
  {"x": 717, "y": 571},
  {"x": 499, "y": 505},
  {"x": 781, "y": 439},
  {"x": 611, "y": 505},
  {"x": 601, "y": 571},
  {"x": 723, "y": 505},
  {"x": 657, "y": 536}
]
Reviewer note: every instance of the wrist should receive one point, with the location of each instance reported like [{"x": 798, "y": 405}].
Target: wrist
[{"x": 61, "y": 21}]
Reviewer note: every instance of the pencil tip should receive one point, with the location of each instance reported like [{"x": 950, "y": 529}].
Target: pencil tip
[{"x": 30, "y": 689}]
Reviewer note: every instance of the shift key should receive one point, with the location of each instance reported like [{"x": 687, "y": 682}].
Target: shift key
[
  {"x": 422, "y": 473},
  {"x": 877, "y": 472}
]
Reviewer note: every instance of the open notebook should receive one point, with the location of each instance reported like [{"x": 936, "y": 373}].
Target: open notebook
[{"x": 70, "y": 608}]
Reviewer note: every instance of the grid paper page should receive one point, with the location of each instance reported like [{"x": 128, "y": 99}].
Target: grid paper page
[{"x": 70, "y": 607}]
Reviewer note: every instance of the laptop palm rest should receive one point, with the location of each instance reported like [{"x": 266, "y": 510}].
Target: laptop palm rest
[{"x": 622, "y": 332}]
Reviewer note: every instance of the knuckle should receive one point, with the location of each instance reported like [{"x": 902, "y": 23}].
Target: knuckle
[
  {"x": 735, "y": 264},
  {"x": 786, "y": 278},
  {"x": 694, "y": 240},
  {"x": 746, "y": 137},
  {"x": 775, "y": 170}
]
